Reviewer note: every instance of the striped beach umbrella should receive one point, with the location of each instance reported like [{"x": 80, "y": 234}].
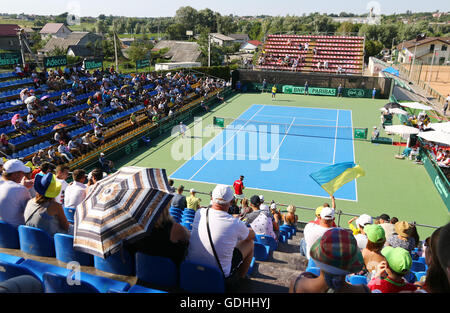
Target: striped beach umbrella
[{"x": 120, "y": 207}]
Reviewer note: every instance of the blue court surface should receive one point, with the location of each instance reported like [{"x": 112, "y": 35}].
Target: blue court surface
[{"x": 276, "y": 148}]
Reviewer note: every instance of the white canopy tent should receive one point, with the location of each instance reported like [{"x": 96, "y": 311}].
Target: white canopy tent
[
  {"x": 443, "y": 127},
  {"x": 416, "y": 105},
  {"x": 436, "y": 136}
]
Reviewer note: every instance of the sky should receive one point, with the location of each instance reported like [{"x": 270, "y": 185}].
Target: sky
[{"x": 151, "y": 8}]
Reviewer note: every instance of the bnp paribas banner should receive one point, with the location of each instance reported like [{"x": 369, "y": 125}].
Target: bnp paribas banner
[
  {"x": 311, "y": 90},
  {"x": 440, "y": 182}
]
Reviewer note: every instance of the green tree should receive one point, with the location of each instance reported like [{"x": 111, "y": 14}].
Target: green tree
[
  {"x": 176, "y": 31},
  {"x": 347, "y": 28},
  {"x": 372, "y": 48},
  {"x": 188, "y": 17}
]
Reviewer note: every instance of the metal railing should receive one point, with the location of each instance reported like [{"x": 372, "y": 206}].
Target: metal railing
[{"x": 338, "y": 213}]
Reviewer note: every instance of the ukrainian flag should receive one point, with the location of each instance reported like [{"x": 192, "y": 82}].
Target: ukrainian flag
[{"x": 333, "y": 177}]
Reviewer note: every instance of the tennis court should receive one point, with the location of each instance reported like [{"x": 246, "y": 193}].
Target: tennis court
[{"x": 276, "y": 148}]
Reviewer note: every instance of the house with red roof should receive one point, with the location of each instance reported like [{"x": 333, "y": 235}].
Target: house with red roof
[
  {"x": 250, "y": 46},
  {"x": 9, "y": 40}
]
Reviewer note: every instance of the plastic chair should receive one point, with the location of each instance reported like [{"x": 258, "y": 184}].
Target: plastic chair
[
  {"x": 410, "y": 277},
  {"x": 261, "y": 252},
  {"x": 357, "y": 280},
  {"x": 64, "y": 251},
  {"x": 311, "y": 263},
  {"x": 187, "y": 225},
  {"x": 36, "y": 241},
  {"x": 196, "y": 277},
  {"x": 10, "y": 258},
  {"x": 268, "y": 241},
  {"x": 419, "y": 275},
  {"x": 115, "y": 264},
  {"x": 9, "y": 236},
  {"x": 252, "y": 266},
  {"x": 422, "y": 260},
  {"x": 70, "y": 214},
  {"x": 314, "y": 270},
  {"x": 418, "y": 266},
  {"x": 156, "y": 270},
  {"x": 141, "y": 289},
  {"x": 10, "y": 270},
  {"x": 54, "y": 283}
]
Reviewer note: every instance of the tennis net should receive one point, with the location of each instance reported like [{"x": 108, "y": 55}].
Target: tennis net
[{"x": 319, "y": 131}]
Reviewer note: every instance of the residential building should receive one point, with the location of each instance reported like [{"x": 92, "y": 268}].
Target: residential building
[
  {"x": 423, "y": 50},
  {"x": 55, "y": 30}
]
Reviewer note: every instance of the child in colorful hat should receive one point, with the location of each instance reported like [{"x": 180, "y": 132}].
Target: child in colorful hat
[
  {"x": 336, "y": 254},
  {"x": 389, "y": 277}
]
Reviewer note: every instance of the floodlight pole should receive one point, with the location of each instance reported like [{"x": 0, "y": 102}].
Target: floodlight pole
[{"x": 209, "y": 50}]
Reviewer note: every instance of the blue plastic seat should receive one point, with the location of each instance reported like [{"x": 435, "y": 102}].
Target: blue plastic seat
[
  {"x": 314, "y": 270},
  {"x": 410, "y": 277},
  {"x": 69, "y": 213},
  {"x": 10, "y": 270},
  {"x": 357, "y": 280},
  {"x": 252, "y": 266},
  {"x": 54, "y": 283},
  {"x": 195, "y": 277},
  {"x": 285, "y": 233},
  {"x": 36, "y": 241},
  {"x": 11, "y": 258},
  {"x": 116, "y": 264},
  {"x": 141, "y": 289},
  {"x": 156, "y": 270},
  {"x": 103, "y": 284},
  {"x": 268, "y": 241},
  {"x": 418, "y": 266},
  {"x": 422, "y": 260},
  {"x": 282, "y": 238},
  {"x": 311, "y": 263},
  {"x": 261, "y": 252},
  {"x": 65, "y": 252},
  {"x": 9, "y": 236},
  {"x": 419, "y": 275},
  {"x": 187, "y": 219}
]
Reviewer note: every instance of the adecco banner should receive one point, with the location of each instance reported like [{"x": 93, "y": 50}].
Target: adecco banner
[
  {"x": 55, "y": 61},
  {"x": 441, "y": 185},
  {"x": 311, "y": 90},
  {"x": 12, "y": 58},
  {"x": 93, "y": 63}
]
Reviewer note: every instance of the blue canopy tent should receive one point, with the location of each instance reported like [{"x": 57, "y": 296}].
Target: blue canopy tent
[{"x": 392, "y": 71}]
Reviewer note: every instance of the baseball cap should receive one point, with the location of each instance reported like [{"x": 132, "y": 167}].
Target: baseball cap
[
  {"x": 222, "y": 192},
  {"x": 264, "y": 207},
  {"x": 14, "y": 165},
  {"x": 262, "y": 198},
  {"x": 363, "y": 220},
  {"x": 47, "y": 185},
  {"x": 327, "y": 213},
  {"x": 318, "y": 210},
  {"x": 273, "y": 206},
  {"x": 255, "y": 200},
  {"x": 102, "y": 154},
  {"x": 375, "y": 233},
  {"x": 192, "y": 190},
  {"x": 399, "y": 259}
]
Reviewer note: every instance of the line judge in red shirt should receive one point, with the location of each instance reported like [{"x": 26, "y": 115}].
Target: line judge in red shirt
[{"x": 238, "y": 186}]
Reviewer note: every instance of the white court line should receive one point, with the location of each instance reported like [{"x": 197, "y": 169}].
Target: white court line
[
  {"x": 285, "y": 192},
  {"x": 221, "y": 148},
  {"x": 299, "y": 117},
  {"x": 209, "y": 141},
  {"x": 287, "y": 106},
  {"x": 279, "y": 146},
  {"x": 255, "y": 158},
  {"x": 335, "y": 137},
  {"x": 354, "y": 158}
]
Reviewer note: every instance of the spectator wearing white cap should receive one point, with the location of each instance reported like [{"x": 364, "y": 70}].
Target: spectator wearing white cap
[
  {"x": 214, "y": 229},
  {"x": 375, "y": 133},
  {"x": 358, "y": 232},
  {"x": 313, "y": 231},
  {"x": 13, "y": 195},
  {"x": 192, "y": 201}
]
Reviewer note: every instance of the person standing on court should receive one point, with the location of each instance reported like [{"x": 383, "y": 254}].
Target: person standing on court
[
  {"x": 446, "y": 104},
  {"x": 374, "y": 93},
  {"x": 264, "y": 85},
  {"x": 339, "y": 91},
  {"x": 238, "y": 186},
  {"x": 306, "y": 88},
  {"x": 274, "y": 92}
]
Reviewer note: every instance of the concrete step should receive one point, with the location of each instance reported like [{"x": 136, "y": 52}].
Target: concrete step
[{"x": 270, "y": 278}]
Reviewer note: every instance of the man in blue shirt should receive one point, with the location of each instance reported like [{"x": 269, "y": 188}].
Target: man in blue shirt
[{"x": 374, "y": 92}]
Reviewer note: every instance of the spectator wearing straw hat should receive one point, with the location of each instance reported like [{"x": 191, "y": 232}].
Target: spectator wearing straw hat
[
  {"x": 43, "y": 211},
  {"x": 402, "y": 237},
  {"x": 313, "y": 232},
  {"x": 389, "y": 275},
  {"x": 13, "y": 195},
  {"x": 290, "y": 218},
  {"x": 192, "y": 201},
  {"x": 336, "y": 254}
]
